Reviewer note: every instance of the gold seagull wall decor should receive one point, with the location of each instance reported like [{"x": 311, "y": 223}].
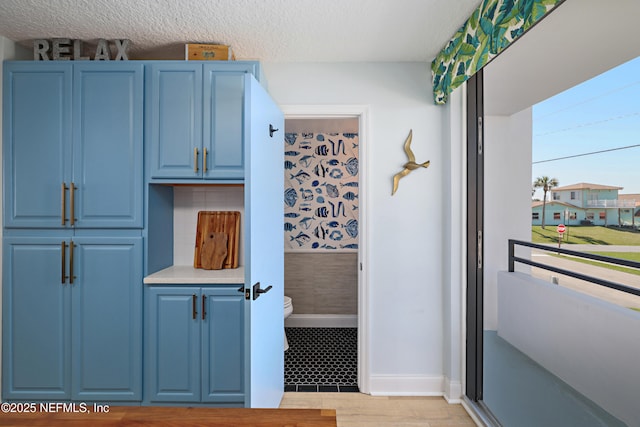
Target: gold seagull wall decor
[{"x": 410, "y": 165}]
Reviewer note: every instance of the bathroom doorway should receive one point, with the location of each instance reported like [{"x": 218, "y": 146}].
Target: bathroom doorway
[{"x": 324, "y": 250}]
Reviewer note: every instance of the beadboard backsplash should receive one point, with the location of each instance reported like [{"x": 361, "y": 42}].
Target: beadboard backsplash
[{"x": 187, "y": 202}]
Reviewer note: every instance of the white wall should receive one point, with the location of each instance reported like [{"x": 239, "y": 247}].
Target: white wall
[
  {"x": 406, "y": 260},
  {"x": 454, "y": 248},
  {"x": 507, "y": 198},
  {"x": 573, "y": 337}
]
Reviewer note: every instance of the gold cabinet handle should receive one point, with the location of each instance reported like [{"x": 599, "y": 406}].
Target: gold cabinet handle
[
  {"x": 204, "y": 160},
  {"x": 71, "y": 276},
  {"x": 72, "y": 204},
  {"x": 195, "y": 160},
  {"x": 194, "y": 301},
  {"x": 64, "y": 204},
  {"x": 63, "y": 251}
]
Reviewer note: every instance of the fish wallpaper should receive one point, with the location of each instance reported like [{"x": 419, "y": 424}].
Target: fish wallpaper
[{"x": 321, "y": 192}]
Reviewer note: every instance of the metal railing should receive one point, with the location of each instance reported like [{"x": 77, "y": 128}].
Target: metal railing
[
  {"x": 619, "y": 203},
  {"x": 606, "y": 283}
]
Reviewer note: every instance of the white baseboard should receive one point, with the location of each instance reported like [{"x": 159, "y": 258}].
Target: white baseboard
[
  {"x": 452, "y": 391},
  {"x": 321, "y": 321},
  {"x": 406, "y": 385}
]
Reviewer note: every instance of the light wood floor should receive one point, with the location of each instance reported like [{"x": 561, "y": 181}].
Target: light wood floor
[
  {"x": 349, "y": 409},
  {"x": 360, "y": 410}
]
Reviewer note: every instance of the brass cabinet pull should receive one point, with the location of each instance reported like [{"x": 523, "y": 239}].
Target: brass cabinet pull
[
  {"x": 204, "y": 160},
  {"x": 63, "y": 251},
  {"x": 194, "y": 312},
  {"x": 64, "y": 204},
  {"x": 204, "y": 310},
  {"x": 195, "y": 160},
  {"x": 72, "y": 214},
  {"x": 71, "y": 276}
]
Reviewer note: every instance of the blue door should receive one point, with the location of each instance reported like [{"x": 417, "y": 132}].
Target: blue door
[
  {"x": 107, "y": 145},
  {"x": 172, "y": 360},
  {"x": 107, "y": 319},
  {"x": 223, "y": 132},
  {"x": 174, "y": 120},
  {"x": 36, "y": 319},
  {"x": 222, "y": 315},
  {"x": 264, "y": 245},
  {"x": 37, "y": 143}
]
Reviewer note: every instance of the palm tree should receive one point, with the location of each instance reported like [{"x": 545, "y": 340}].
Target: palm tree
[{"x": 546, "y": 184}]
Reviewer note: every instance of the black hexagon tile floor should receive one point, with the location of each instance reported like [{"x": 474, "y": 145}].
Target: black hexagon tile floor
[{"x": 321, "y": 360}]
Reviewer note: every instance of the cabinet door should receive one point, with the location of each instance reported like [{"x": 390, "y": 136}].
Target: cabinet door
[
  {"x": 264, "y": 186},
  {"x": 107, "y": 319},
  {"x": 174, "y": 120},
  {"x": 172, "y": 350},
  {"x": 107, "y": 144},
  {"x": 223, "y": 118},
  {"x": 37, "y": 142},
  {"x": 36, "y": 320},
  {"x": 222, "y": 345}
]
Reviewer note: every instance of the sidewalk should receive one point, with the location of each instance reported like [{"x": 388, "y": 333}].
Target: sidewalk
[{"x": 596, "y": 248}]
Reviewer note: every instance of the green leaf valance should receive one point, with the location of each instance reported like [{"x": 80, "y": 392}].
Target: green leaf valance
[{"x": 493, "y": 26}]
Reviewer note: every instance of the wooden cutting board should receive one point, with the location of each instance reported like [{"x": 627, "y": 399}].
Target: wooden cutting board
[{"x": 210, "y": 222}]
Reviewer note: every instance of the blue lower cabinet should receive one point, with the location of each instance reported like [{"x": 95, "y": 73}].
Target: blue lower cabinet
[
  {"x": 106, "y": 330},
  {"x": 194, "y": 345},
  {"x": 72, "y": 324}
]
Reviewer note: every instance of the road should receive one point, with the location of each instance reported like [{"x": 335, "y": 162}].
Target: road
[{"x": 611, "y": 295}]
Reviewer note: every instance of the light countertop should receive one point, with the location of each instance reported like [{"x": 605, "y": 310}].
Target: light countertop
[{"x": 187, "y": 275}]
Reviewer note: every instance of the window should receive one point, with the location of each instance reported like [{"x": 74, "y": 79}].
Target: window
[
  {"x": 589, "y": 216},
  {"x": 573, "y": 195},
  {"x": 536, "y": 216},
  {"x": 603, "y": 215},
  {"x": 556, "y": 196},
  {"x": 556, "y": 215},
  {"x": 573, "y": 215}
]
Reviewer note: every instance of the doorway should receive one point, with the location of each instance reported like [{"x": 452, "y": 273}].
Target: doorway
[{"x": 325, "y": 235}]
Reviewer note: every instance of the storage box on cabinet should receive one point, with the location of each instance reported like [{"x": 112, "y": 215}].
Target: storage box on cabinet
[
  {"x": 73, "y": 144},
  {"x": 72, "y": 328},
  {"x": 195, "y": 119},
  {"x": 194, "y": 350}
]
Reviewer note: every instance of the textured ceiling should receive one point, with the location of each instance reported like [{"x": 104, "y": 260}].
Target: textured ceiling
[{"x": 268, "y": 30}]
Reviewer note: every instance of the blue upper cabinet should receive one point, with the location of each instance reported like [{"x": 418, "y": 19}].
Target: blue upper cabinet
[
  {"x": 222, "y": 136},
  {"x": 73, "y": 144},
  {"x": 108, "y": 144},
  {"x": 174, "y": 119},
  {"x": 37, "y": 142},
  {"x": 195, "y": 119}
]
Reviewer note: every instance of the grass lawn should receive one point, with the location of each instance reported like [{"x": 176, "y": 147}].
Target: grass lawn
[{"x": 586, "y": 235}]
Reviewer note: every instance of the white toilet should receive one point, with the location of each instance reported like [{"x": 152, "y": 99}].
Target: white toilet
[{"x": 288, "y": 309}]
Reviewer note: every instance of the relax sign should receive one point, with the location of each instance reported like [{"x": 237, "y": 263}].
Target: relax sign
[{"x": 67, "y": 49}]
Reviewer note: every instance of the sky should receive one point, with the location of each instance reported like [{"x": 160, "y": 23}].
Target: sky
[{"x": 600, "y": 114}]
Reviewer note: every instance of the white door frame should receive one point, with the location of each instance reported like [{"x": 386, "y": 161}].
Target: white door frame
[{"x": 362, "y": 113}]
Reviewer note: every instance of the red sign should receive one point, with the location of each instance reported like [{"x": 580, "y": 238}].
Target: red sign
[{"x": 561, "y": 228}]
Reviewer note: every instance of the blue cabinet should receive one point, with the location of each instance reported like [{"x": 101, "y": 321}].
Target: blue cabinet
[
  {"x": 194, "y": 348},
  {"x": 73, "y": 145},
  {"x": 73, "y": 220},
  {"x": 195, "y": 119},
  {"x": 72, "y": 328}
]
